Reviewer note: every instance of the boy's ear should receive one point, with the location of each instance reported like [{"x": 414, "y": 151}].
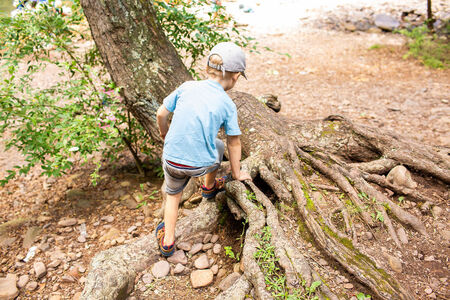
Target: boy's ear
[{"x": 236, "y": 76}]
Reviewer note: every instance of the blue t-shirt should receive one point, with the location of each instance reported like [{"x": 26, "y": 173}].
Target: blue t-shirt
[{"x": 200, "y": 109}]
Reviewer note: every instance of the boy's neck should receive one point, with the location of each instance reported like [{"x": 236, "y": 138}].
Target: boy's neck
[{"x": 224, "y": 83}]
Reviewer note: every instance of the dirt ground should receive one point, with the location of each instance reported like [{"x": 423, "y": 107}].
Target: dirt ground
[{"x": 326, "y": 72}]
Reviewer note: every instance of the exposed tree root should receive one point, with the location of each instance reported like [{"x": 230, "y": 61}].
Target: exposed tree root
[
  {"x": 237, "y": 291},
  {"x": 378, "y": 166},
  {"x": 112, "y": 272}
]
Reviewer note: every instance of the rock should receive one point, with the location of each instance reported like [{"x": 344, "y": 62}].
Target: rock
[
  {"x": 207, "y": 238},
  {"x": 208, "y": 246},
  {"x": 394, "y": 263},
  {"x": 147, "y": 278},
  {"x": 31, "y": 286},
  {"x": 323, "y": 262},
  {"x": 30, "y": 236},
  {"x": 428, "y": 290},
  {"x": 129, "y": 202},
  {"x": 179, "y": 268},
  {"x": 221, "y": 273},
  {"x": 67, "y": 279},
  {"x": 23, "y": 280},
  {"x": 81, "y": 239},
  {"x": 8, "y": 288},
  {"x": 386, "y": 22},
  {"x": 214, "y": 238},
  {"x": 178, "y": 257},
  {"x": 348, "y": 286},
  {"x": 39, "y": 269},
  {"x": 368, "y": 235},
  {"x": 236, "y": 267},
  {"x": 374, "y": 30},
  {"x": 112, "y": 233},
  {"x": 67, "y": 222},
  {"x": 131, "y": 229},
  {"x": 184, "y": 246},
  {"x": 202, "y": 262},
  {"x": 402, "y": 235},
  {"x": 201, "y": 278},
  {"x": 125, "y": 184},
  {"x": 54, "y": 264},
  {"x": 55, "y": 297},
  {"x": 402, "y": 177},
  {"x": 429, "y": 258},
  {"x": 437, "y": 211},
  {"x": 189, "y": 190},
  {"x": 349, "y": 26},
  {"x": 161, "y": 269},
  {"x": 108, "y": 219},
  {"x": 217, "y": 248},
  {"x": 446, "y": 234},
  {"x": 228, "y": 281},
  {"x": 77, "y": 296},
  {"x": 196, "y": 248},
  {"x": 75, "y": 194},
  {"x": 215, "y": 269}
]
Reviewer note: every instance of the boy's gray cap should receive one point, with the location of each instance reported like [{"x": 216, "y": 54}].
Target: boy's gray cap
[{"x": 233, "y": 58}]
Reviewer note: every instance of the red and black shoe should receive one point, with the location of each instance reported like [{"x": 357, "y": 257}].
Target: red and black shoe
[
  {"x": 165, "y": 250},
  {"x": 219, "y": 185}
]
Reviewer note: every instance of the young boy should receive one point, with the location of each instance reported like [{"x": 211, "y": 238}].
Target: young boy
[{"x": 191, "y": 147}]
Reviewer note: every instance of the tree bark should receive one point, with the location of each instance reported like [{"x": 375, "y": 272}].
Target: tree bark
[{"x": 279, "y": 151}]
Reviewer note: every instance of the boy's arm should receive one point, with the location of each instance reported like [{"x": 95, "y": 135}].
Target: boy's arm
[
  {"x": 234, "y": 150},
  {"x": 162, "y": 117}
]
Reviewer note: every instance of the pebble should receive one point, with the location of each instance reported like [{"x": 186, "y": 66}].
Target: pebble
[
  {"x": 429, "y": 258},
  {"x": 108, "y": 219},
  {"x": 55, "y": 297},
  {"x": 215, "y": 269},
  {"x": 201, "y": 278},
  {"x": 368, "y": 235},
  {"x": 131, "y": 229},
  {"x": 217, "y": 248},
  {"x": 178, "y": 258},
  {"x": 54, "y": 263},
  {"x": 214, "y": 238},
  {"x": 228, "y": 281},
  {"x": 236, "y": 267},
  {"x": 221, "y": 273},
  {"x": 202, "y": 262},
  {"x": 8, "y": 288},
  {"x": 437, "y": 211},
  {"x": 23, "y": 280},
  {"x": 196, "y": 248},
  {"x": 207, "y": 246},
  {"x": 147, "y": 278},
  {"x": 161, "y": 269},
  {"x": 67, "y": 279},
  {"x": 395, "y": 264},
  {"x": 67, "y": 222},
  {"x": 207, "y": 238},
  {"x": 31, "y": 286},
  {"x": 348, "y": 286},
  {"x": 179, "y": 268},
  {"x": 81, "y": 239},
  {"x": 323, "y": 262},
  {"x": 402, "y": 177},
  {"x": 184, "y": 246},
  {"x": 386, "y": 22},
  {"x": 39, "y": 269},
  {"x": 428, "y": 290},
  {"x": 112, "y": 233}
]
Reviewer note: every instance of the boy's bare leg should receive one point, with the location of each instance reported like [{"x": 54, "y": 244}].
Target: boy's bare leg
[
  {"x": 210, "y": 179},
  {"x": 170, "y": 217}
]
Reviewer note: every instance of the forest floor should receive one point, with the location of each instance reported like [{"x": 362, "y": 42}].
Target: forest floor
[{"x": 326, "y": 72}]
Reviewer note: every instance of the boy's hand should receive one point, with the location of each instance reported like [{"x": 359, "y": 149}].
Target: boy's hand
[{"x": 243, "y": 175}]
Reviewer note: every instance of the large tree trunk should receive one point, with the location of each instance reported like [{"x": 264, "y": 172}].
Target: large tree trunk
[{"x": 279, "y": 152}]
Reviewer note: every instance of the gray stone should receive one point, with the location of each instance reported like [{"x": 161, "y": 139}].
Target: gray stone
[
  {"x": 178, "y": 258},
  {"x": 23, "y": 280},
  {"x": 202, "y": 262},
  {"x": 39, "y": 269},
  {"x": 402, "y": 177},
  {"x": 207, "y": 238},
  {"x": 196, "y": 248},
  {"x": 208, "y": 246},
  {"x": 217, "y": 248},
  {"x": 31, "y": 286},
  {"x": 214, "y": 238},
  {"x": 161, "y": 269},
  {"x": 179, "y": 268},
  {"x": 184, "y": 246},
  {"x": 228, "y": 281},
  {"x": 201, "y": 278},
  {"x": 402, "y": 235},
  {"x": 386, "y": 22},
  {"x": 8, "y": 288},
  {"x": 67, "y": 222}
]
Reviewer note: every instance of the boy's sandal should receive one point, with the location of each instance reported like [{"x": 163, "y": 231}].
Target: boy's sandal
[
  {"x": 165, "y": 250},
  {"x": 219, "y": 185}
]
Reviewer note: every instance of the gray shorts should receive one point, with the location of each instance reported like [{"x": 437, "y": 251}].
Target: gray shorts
[{"x": 176, "y": 178}]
